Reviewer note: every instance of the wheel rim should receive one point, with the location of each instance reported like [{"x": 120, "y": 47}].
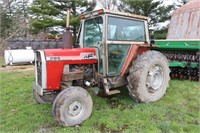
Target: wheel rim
[
  {"x": 75, "y": 109},
  {"x": 154, "y": 79}
]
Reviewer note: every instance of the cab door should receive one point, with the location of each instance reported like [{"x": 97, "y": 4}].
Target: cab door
[
  {"x": 93, "y": 37},
  {"x": 122, "y": 32}
]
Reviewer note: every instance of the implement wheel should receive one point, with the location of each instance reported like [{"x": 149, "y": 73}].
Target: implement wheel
[
  {"x": 148, "y": 77},
  {"x": 72, "y": 106}
]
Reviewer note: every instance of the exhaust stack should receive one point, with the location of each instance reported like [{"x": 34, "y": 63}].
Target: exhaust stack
[{"x": 67, "y": 36}]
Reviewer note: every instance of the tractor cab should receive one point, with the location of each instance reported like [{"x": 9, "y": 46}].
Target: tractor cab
[{"x": 112, "y": 35}]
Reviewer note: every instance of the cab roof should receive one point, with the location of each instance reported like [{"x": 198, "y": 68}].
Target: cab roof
[{"x": 105, "y": 11}]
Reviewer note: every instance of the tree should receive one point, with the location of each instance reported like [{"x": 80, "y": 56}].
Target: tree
[
  {"x": 13, "y": 21},
  {"x": 52, "y": 13},
  {"x": 42, "y": 13},
  {"x": 23, "y": 16},
  {"x": 5, "y": 23},
  {"x": 108, "y": 4},
  {"x": 151, "y": 8},
  {"x": 161, "y": 33},
  {"x": 13, "y": 15},
  {"x": 181, "y": 2}
]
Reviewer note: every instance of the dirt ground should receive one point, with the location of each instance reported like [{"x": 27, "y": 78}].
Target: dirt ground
[{"x": 17, "y": 68}]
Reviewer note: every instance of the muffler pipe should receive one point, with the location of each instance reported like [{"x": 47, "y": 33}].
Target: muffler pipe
[{"x": 67, "y": 36}]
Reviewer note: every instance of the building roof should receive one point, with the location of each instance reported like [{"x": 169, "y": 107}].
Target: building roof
[
  {"x": 193, "y": 5},
  {"x": 185, "y": 22}
]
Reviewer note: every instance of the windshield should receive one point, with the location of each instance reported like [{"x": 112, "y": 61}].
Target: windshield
[
  {"x": 92, "y": 31},
  {"x": 120, "y": 29}
]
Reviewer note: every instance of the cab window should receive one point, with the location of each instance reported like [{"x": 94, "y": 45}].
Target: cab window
[
  {"x": 92, "y": 31},
  {"x": 121, "y": 29}
]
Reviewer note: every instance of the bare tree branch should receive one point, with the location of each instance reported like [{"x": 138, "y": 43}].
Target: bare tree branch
[
  {"x": 13, "y": 34},
  {"x": 108, "y": 4}
]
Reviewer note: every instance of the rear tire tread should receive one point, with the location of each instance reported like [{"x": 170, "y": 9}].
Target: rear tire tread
[{"x": 135, "y": 74}]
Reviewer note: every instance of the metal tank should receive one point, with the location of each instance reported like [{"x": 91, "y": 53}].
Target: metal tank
[
  {"x": 19, "y": 56},
  {"x": 185, "y": 22}
]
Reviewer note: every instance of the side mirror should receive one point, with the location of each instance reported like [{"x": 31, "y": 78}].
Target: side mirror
[
  {"x": 152, "y": 38},
  {"x": 152, "y": 41}
]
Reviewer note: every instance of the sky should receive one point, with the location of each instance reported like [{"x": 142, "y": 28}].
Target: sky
[
  {"x": 165, "y": 2},
  {"x": 160, "y": 25}
]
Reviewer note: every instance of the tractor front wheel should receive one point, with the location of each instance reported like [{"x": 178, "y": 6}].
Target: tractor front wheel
[
  {"x": 72, "y": 106},
  {"x": 148, "y": 77}
]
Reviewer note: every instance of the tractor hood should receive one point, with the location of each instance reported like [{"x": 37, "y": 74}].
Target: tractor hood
[
  {"x": 75, "y": 54},
  {"x": 56, "y": 59}
]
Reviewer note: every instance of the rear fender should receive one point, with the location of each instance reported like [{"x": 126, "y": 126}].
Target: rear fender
[{"x": 134, "y": 51}]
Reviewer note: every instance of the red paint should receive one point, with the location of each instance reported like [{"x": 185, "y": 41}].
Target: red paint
[
  {"x": 67, "y": 52},
  {"x": 141, "y": 50},
  {"x": 55, "y": 68},
  {"x": 133, "y": 52}
]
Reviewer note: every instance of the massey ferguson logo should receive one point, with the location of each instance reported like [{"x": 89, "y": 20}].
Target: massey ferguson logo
[{"x": 87, "y": 56}]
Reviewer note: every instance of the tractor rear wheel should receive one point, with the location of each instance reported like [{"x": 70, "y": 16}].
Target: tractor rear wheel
[
  {"x": 148, "y": 77},
  {"x": 72, "y": 106}
]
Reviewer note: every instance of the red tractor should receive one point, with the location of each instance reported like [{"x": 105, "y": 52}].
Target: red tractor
[{"x": 114, "y": 51}]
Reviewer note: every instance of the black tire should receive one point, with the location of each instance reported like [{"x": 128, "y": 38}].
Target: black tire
[
  {"x": 45, "y": 99},
  {"x": 148, "y": 77},
  {"x": 72, "y": 106},
  {"x": 54, "y": 104}
]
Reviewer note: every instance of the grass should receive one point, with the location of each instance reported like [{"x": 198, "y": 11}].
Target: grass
[
  {"x": 2, "y": 62},
  {"x": 177, "y": 111}
]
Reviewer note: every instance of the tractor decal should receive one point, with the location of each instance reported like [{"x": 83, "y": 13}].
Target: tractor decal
[{"x": 82, "y": 56}]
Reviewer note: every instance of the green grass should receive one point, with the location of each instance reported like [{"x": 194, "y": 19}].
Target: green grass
[
  {"x": 2, "y": 60},
  {"x": 177, "y": 111}
]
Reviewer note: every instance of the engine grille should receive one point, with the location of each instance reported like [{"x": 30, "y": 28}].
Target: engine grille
[{"x": 39, "y": 68}]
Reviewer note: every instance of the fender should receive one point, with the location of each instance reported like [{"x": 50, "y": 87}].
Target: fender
[{"x": 134, "y": 51}]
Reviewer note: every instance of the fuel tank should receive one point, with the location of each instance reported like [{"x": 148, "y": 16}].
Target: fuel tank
[{"x": 18, "y": 56}]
